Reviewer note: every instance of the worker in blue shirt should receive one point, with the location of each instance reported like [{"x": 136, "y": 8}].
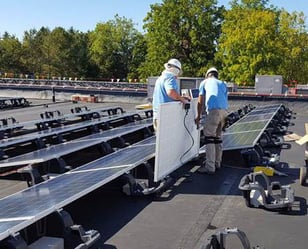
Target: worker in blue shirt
[
  {"x": 166, "y": 88},
  {"x": 213, "y": 96}
]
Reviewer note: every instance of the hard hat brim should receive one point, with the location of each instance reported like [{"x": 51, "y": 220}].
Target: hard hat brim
[{"x": 167, "y": 65}]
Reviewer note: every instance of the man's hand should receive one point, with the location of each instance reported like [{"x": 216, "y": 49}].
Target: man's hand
[
  {"x": 197, "y": 121},
  {"x": 185, "y": 99}
]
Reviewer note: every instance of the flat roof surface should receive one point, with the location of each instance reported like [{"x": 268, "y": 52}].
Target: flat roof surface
[{"x": 196, "y": 206}]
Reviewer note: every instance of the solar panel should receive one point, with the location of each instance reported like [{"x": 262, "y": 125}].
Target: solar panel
[
  {"x": 11, "y": 127},
  {"x": 246, "y": 132},
  {"x": 10, "y": 98},
  {"x": 73, "y": 115},
  {"x": 264, "y": 111},
  {"x": 58, "y": 150},
  {"x": 26, "y": 207},
  {"x": 177, "y": 125},
  {"x": 60, "y": 130},
  {"x": 232, "y": 141},
  {"x": 251, "y": 118},
  {"x": 275, "y": 106},
  {"x": 251, "y": 126}
]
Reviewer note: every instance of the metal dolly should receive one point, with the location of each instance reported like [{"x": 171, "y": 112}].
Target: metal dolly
[
  {"x": 272, "y": 196},
  {"x": 218, "y": 240}
]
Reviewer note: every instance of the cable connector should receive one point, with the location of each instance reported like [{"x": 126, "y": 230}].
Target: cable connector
[{"x": 187, "y": 106}]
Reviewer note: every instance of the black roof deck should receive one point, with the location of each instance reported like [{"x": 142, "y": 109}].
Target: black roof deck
[{"x": 196, "y": 206}]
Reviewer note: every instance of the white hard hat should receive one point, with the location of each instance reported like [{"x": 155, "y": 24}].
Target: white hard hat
[
  {"x": 173, "y": 62},
  {"x": 211, "y": 70}
]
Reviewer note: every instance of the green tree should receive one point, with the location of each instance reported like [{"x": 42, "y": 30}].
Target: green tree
[
  {"x": 257, "y": 39},
  {"x": 138, "y": 57},
  {"x": 78, "y": 54},
  {"x": 249, "y": 4},
  {"x": 10, "y": 52},
  {"x": 32, "y": 51},
  {"x": 56, "y": 50},
  {"x": 247, "y": 45},
  {"x": 184, "y": 29},
  {"x": 56, "y": 53},
  {"x": 294, "y": 39},
  {"x": 111, "y": 47}
]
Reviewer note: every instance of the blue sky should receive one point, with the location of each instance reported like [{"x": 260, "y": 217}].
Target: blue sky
[{"x": 18, "y": 16}]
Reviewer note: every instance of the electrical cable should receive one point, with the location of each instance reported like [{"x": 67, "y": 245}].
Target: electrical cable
[{"x": 193, "y": 141}]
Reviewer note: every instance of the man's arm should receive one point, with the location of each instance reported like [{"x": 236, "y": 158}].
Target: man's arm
[{"x": 174, "y": 95}]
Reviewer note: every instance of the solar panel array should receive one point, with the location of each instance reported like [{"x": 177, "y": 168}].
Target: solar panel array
[
  {"x": 58, "y": 150},
  {"x": 246, "y": 132},
  {"x": 26, "y": 207},
  {"x": 62, "y": 129}
]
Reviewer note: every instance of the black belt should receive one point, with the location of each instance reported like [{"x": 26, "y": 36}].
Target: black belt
[{"x": 212, "y": 140}]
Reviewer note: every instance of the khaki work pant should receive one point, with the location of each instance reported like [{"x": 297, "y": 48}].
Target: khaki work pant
[{"x": 214, "y": 122}]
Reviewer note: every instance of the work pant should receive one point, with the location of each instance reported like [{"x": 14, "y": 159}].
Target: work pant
[{"x": 214, "y": 122}]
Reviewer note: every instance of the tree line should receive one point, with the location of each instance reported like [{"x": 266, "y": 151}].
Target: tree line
[{"x": 250, "y": 38}]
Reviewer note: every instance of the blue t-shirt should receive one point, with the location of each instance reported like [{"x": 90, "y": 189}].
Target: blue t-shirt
[
  {"x": 216, "y": 94},
  {"x": 165, "y": 82}
]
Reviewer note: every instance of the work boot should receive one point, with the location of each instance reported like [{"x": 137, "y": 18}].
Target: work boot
[
  {"x": 217, "y": 166},
  {"x": 204, "y": 170}
]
